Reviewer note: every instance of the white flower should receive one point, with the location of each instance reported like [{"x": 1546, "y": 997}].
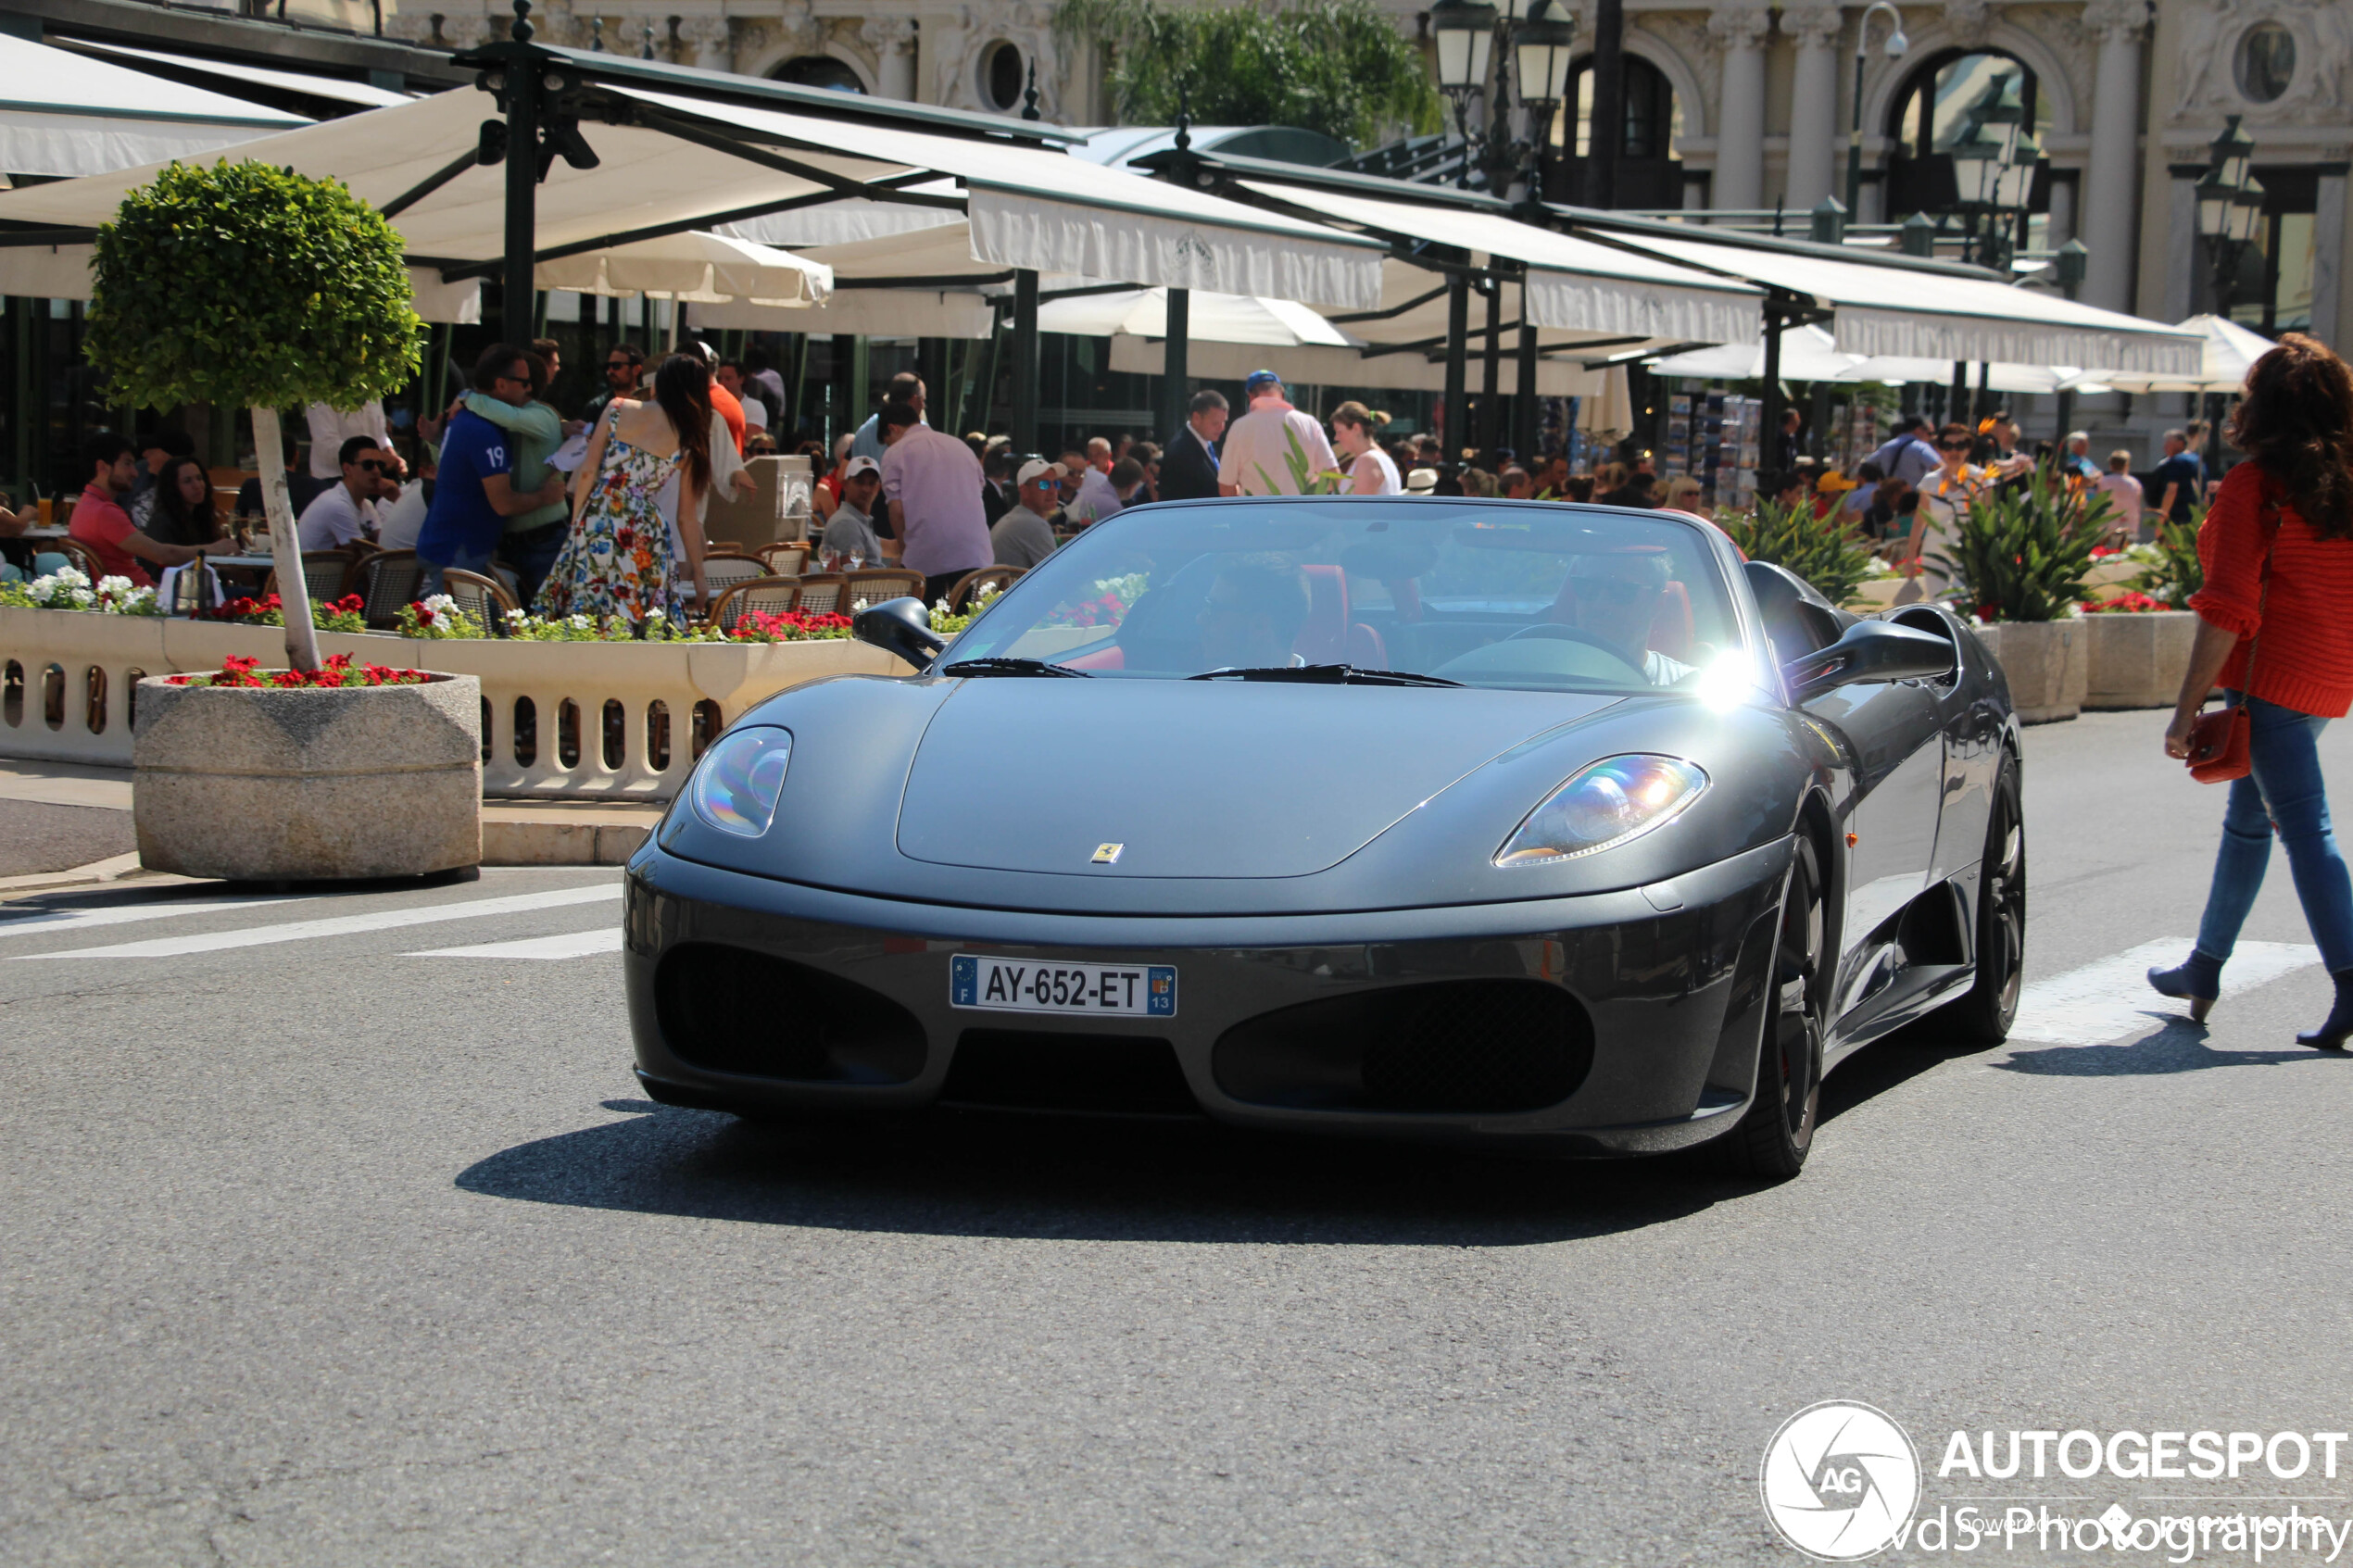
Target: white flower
[
  {"x": 114, "y": 587},
  {"x": 581, "y": 623},
  {"x": 83, "y": 598},
  {"x": 72, "y": 577},
  {"x": 440, "y": 603}
]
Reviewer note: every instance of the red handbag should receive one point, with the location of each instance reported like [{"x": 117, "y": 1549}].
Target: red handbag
[{"x": 2219, "y": 741}]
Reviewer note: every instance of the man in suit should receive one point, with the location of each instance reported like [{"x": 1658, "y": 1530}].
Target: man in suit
[{"x": 1189, "y": 468}]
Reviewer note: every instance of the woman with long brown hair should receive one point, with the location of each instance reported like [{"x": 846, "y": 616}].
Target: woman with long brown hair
[
  {"x": 2277, "y": 548},
  {"x": 619, "y": 558},
  {"x": 183, "y": 511}
]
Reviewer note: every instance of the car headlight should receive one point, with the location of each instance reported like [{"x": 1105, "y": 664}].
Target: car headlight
[
  {"x": 735, "y": 785},
  {"x": 1602, "y": 807}
]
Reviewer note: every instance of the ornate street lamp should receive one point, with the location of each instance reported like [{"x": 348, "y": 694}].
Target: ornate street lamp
[
  {"x": 1540, "y": 52},
  {"x": 2230, "y": 205},
  {"x": 1896, "y": 47},
  {"x": 1466, "y": 35}
]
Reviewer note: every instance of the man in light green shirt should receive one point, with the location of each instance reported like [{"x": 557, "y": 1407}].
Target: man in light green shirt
[{"x": 529, "y": 545}]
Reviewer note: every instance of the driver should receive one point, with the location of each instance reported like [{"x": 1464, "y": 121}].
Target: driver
[
  {"x": 1615, "y": 597},
  {"x": 1254, "y": 612}
]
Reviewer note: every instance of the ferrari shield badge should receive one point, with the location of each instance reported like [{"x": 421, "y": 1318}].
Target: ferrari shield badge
[{"x": 1108, "y": 854}]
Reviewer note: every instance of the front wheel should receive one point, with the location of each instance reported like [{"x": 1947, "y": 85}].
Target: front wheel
[
  {"x": 1983, "y": 1015},
  {"x": 1777, "y": 1132}
]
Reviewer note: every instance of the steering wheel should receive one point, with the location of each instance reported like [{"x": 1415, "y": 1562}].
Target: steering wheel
[{"x": 1579, "y": 635}]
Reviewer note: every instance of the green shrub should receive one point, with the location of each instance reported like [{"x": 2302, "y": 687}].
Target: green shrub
[
  {"x": 2023, "y": 551},
  {"x": 2175, "y": 574},
  {"x": 1822, "y": 550}
]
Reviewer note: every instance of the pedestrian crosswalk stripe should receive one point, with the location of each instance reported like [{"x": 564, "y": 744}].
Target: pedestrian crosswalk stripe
[
  {"x": 2111, "y": 998},
  {"x": 571, "y": 945},
  {"x": 123, "y": 914},
  {"x": 337, "y": 925}
]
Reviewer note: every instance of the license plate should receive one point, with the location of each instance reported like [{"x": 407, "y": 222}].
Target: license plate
[{"x": 1096, "y": 989}]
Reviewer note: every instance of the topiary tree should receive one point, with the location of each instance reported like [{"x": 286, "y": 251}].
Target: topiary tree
[{"x": 246, "y": 284}]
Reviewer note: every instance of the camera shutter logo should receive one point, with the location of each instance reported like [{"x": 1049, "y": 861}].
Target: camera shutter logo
[{"x": 1839, "y": 1481}]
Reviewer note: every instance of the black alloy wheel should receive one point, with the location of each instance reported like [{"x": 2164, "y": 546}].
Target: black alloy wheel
[
  {"x": 1777, "y": 1131},
  {"x": 1983, "y": 1015}
]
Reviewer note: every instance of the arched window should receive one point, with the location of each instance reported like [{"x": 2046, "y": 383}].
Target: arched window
[
  {"x": 1002, "y": 76},
  {"x": 1654, "y": 120},
  {"x": 1953, "y": 94},
  {"x": 819, "y": 70}
]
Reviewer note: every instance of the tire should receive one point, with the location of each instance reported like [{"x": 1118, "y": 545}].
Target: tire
[
  {"x": 1777, "y": 1131},
  {"x": 1982, "y": 1015}
]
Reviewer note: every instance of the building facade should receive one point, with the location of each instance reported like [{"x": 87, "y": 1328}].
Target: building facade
[{"x": 1740, "y": 105}]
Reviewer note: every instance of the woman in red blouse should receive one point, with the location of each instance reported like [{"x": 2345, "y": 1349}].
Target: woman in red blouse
[{"x": 2277, "y": 548}]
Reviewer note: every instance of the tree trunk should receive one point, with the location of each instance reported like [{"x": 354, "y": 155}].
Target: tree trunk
[{"x": 285, "y": 546}]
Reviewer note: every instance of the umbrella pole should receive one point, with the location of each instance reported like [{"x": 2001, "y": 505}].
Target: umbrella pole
[
  {"x": 1457, "y": 408},
  {"x": 1491, "y": 420},
  {"x": 1524, "y": 404},
  {"x": 1175, "y": 374},
  {"x": 1769, "y": 425},
  {"x": 1024, "y": 387}
]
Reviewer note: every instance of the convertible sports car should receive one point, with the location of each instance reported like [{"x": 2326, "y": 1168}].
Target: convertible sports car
[{"x": 1557, "y": 827}]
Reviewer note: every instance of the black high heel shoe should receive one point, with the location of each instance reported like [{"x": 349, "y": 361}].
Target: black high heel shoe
[
  {"x": 2338, "y": 1027},
  {"x": 2198, "y": 979}
]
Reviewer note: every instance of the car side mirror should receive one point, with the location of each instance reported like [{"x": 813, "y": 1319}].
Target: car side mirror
[
  {"x": 900, "y": 626},
  {"x": 1871, "y": 650}
]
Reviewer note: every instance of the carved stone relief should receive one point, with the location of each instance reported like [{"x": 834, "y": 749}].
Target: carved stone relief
[{"x": 2212, "y": 33}]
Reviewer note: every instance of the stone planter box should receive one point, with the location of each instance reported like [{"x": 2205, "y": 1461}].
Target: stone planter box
[
  {"x": 560, "y": 720},
  {"x": 2045, "y": 661},
  {"x": 252, "y": 784},
  {"x": 2137, "y": 661}
]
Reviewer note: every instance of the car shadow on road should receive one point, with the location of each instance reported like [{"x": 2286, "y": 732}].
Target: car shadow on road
[
  {"x": 2179, "y": 1046},
  {"x": 1015, "y": 1176}
]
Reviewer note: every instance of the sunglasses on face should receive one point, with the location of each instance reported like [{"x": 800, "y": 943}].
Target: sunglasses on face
[
  {"x": 1952, "y": 446},
  {"x": 1619, "y": 590},
  {"x": 369, "y": 465}
]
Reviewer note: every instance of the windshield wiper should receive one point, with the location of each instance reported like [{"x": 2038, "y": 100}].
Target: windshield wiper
[
  {"x": 1012, "y": 667},
  {"x": 1325, "y": 675}
]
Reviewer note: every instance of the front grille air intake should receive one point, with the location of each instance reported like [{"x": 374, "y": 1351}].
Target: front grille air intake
[
  {"x": 729, "y": 1010},
  {"x": 1454, "y": 1046}
]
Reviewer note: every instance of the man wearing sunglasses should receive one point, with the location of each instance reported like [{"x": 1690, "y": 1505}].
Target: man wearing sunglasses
[
  {"x": 346, "y": 511},
  {"x": 1615, "y": 597}
]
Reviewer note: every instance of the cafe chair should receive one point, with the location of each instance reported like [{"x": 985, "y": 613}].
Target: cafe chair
[
  {"x": 787, "y": 559},
  {"x": 969, "y": 585},
  {"x": 874, "y": 587},
  {"x": 387, "y": 583},
  {"x": 484, "y": 599},
  {"x": 324, "y": 574},
  {"x": 769, "y": 595},
  {"x": 84, "y": 558},
  {"x": 823, "y": 594}
]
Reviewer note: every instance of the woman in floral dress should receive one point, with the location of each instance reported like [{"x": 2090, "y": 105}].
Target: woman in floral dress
[{"x": 621, "y": 557}]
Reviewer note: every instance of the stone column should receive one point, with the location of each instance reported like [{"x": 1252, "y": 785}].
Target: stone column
[
  {"x": 2184, "y": 250},
  {"x": 2328, "y": 250},
  {"x": 1739, "y": 29},
  {"x": 2111, "y": 178},
  {"x": 1813, "y": 112},
  {"x": 893, "y": 41},
  {"x": 711, "y": 40}
]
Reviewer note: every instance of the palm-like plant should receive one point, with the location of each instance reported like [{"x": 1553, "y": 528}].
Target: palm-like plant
[
  {"x": 2177, "y": 573},
  {"x": 1822, "y": 550},
  {"x": 2023, "y": 551}
]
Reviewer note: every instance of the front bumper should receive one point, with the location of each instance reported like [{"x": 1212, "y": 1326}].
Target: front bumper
[{"x": 1645, "y": 1006}]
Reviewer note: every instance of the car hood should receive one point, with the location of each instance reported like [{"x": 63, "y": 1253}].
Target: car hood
[{"x": 1194, "y": 779}]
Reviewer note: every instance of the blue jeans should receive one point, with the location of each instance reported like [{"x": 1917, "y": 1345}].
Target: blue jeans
[{"x": 2283, "y": 794}]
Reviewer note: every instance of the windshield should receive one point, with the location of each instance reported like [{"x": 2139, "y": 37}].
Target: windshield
[{"x": 1538, "y": 596}]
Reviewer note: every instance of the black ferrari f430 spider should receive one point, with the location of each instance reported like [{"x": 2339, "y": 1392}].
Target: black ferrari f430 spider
[{"x": 1560, "y": 828}]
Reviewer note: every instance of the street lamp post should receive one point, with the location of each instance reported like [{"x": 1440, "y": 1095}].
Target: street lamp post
[
  {"x": 1896, "y": 47},
  {"x": 2230, "y": 205},
  {"x": 1466, "y": 35}
]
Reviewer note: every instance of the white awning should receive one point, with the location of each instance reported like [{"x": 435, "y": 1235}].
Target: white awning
[
  {"x": 1313, "y": 365},
  {"x": 65, "y": 114},
  {"x": 262, "y": 76},
  {"x": 63, "y": 272},
  {"x": 696, "y": 267},
  {"x": 1807, "y": 353},
  {"x": 1923, "y": 313},
  {"x": 2000, "y": 376},
  {"x": 1572, "y": 284},
  {"x": 890, "y": 313},
  {"x": 1034, "y": 209},
  {"x": 1211, "y": 317},
  {"x": 2227, "y": 351}
]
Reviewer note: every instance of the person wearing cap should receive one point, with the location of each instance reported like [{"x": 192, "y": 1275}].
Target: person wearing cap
[
  {"x": 1422, "y": 481},
  {"x": 1830, "y": 490},
  {"x": 1023, "y": 537},
  {"x": 849, "y": 541},
  {"x": 1256, "y": 460}
]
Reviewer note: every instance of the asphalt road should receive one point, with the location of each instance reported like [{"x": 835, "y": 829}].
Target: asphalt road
[
  {"x": 315, "y": 1252},
  {"x": 37, "y": 837}
]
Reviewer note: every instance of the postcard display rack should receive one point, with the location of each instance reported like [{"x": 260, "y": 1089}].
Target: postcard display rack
[{"x": 1714, "y": 438}]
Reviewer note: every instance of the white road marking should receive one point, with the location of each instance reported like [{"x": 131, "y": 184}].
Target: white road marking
[
  {"x": 2111, "y": 998},
  {"x": 571, "y": 945},
  {"x": 123, "y": 914},
  {"x": 337, "y": 925}
]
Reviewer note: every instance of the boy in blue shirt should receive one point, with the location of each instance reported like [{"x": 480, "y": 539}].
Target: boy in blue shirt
[{"x": 475, "y": 494}]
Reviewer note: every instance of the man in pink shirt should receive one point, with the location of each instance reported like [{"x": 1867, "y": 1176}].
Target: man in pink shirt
[
  {"x": 1255, "y": 458},
  {"x": 932, "y": 481},
  {"x": 100, "y": 523}
]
